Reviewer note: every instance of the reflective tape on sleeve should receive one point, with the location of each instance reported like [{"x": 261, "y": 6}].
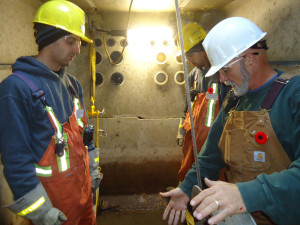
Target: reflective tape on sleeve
[{"x": 33, "y": 207}]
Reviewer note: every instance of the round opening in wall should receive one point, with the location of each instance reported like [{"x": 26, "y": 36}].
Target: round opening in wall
[
  {"x": 178, "y": 57},
  {"x": 161, "y": 58},
  {"x": 123, "y": 43},
  {"x": 165, "y": 43},
  {"x": 98, "y": 57},
  {"x": 152, "y": 42},
  {"x": 179, "y": 78},
  {"x": 98, "y": 42},
  {"x": 117, "y": 78},
  {"x": 116, "y": 57},
  {"x": 176, "y": 42},
  {"x": 110, "y": 42},
  {"x": 99, "y": 79},
  {"x": 161, "y": 78}
]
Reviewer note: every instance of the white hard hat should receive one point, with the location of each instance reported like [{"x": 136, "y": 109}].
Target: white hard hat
[{"x": 228, "y": 39}]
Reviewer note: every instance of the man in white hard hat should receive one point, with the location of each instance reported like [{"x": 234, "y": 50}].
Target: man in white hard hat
[{"x": 256, "y": 135}]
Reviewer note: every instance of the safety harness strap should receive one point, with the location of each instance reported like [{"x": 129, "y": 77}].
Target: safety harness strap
[
  {"x": 274, "y": 91},
  {"x": 60, "y": 137},
  {"x": 37, "y": 93}
]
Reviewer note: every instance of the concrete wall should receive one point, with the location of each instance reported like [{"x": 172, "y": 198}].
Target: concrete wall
[
  {"x": 281, "y": 20},
  {"x": 16, "y": 39}
]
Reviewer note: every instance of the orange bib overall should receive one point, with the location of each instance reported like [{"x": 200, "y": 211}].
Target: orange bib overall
[
  {"x": 64, "y": 172},
  {"x": 204, "y": 112},
  {"x": 67, "y": 179}
]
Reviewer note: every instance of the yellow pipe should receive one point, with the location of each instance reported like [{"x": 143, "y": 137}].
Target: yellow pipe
[{"x": 93, "y": 112}]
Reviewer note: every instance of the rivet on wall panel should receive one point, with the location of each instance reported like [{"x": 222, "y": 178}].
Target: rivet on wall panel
[
  {"x": 111, "y": 42},
  {"x": 117, "y": 78},
  {"x": 161, "y": 78},
  {"x": 179, "y": 78},
  {"x": 99, "y": 79},
  {"x": 161, "y": 58},
  {"x": 98, "y": 57},
  {"x": 98, "y": 42},
  {"x": 116, "y": 57}
]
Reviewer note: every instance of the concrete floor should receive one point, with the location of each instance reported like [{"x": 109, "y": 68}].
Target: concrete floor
[
  {"x": 142, "y": 217},
  {"x": 139, "y": 209}
]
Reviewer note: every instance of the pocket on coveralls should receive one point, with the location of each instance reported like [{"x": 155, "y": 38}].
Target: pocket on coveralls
[{"x": 244, "y": 153}]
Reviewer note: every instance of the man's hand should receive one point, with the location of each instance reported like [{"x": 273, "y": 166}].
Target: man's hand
[
  {"x": 218, "y": 195},
  {"x": 176, "y": 207}
]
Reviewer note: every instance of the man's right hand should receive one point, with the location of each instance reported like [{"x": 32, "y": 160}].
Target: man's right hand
[
  {"x": 53, "y": 217},
  {"x": 177, "y": 206}
]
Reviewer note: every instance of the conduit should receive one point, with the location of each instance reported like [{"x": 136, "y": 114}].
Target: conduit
[
  {"x": 179, "y": 78},
  {"x": 161, "y": 58},
  {"x": 161, "y": 78}
]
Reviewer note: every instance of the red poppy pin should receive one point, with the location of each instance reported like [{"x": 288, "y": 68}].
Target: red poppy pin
[
  {"x": 261, "y": 138},
  {"x": 210, "y": 90}
]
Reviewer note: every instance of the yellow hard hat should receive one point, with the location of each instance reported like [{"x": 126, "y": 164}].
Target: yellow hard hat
[
  {"x": 192, "y": 35},
  {"x": 64, "y": 15}
]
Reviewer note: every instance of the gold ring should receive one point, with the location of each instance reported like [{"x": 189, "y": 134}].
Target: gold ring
[{"x": 218, "y": 204}]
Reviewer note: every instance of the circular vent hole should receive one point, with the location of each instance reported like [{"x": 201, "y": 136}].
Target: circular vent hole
[
  {"x": 111, "y": 42},
  {"x": 117, "y": 78},
  {"x": 99, "y": 79},
  {"x": 116, "y": 57},
  {"x": 98, "y": 58}
]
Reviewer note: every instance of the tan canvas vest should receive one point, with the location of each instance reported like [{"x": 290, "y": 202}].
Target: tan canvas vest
[{"x": 244, "y": 154}]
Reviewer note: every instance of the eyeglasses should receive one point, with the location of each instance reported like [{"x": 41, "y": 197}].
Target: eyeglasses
[
  {"x": 72, "y": 41},
  {"x": 230, "y": 64},
  {"x": 226, "y": 67}
]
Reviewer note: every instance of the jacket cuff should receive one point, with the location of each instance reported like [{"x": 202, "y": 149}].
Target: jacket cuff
[{"x": 34, "y": 205}]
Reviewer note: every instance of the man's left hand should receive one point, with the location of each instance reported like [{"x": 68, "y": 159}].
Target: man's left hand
[{"x": 218, "y": 195}]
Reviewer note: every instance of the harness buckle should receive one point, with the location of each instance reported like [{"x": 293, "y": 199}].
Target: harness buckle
[{"x": 59, "y": 147}]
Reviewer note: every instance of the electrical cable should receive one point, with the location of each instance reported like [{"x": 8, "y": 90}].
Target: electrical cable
[{"x": 104, "y": 35}]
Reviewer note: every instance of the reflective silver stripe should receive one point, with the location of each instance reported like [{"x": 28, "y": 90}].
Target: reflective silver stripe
[
  {"x": 64, "y": 161},
  {"x": 211, "y": 108},
  {"x": 55, "y": 121},
  {"x": 77, "y": 107},
  {"x": 43, "y": 171}
]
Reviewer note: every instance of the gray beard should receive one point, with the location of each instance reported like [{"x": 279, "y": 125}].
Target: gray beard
[{"x": 243, "y": 89}]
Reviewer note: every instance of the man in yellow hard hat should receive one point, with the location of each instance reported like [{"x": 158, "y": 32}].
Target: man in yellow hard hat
[
  {"x": 256, "y": 135},
  {"x": 206, "y": 96},
  {"x": 50, "y": 161}
]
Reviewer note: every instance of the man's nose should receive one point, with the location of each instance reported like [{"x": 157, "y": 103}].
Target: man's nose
[{"x": 76, "y": 49}]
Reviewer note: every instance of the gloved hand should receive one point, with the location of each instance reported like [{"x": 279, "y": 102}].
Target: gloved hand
[
  {"x": 180, "y": 133},
  {"x": 96, "y": 176},
  {"x": 43, "y": 213},
  {"x": 53, "y": 217}
]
